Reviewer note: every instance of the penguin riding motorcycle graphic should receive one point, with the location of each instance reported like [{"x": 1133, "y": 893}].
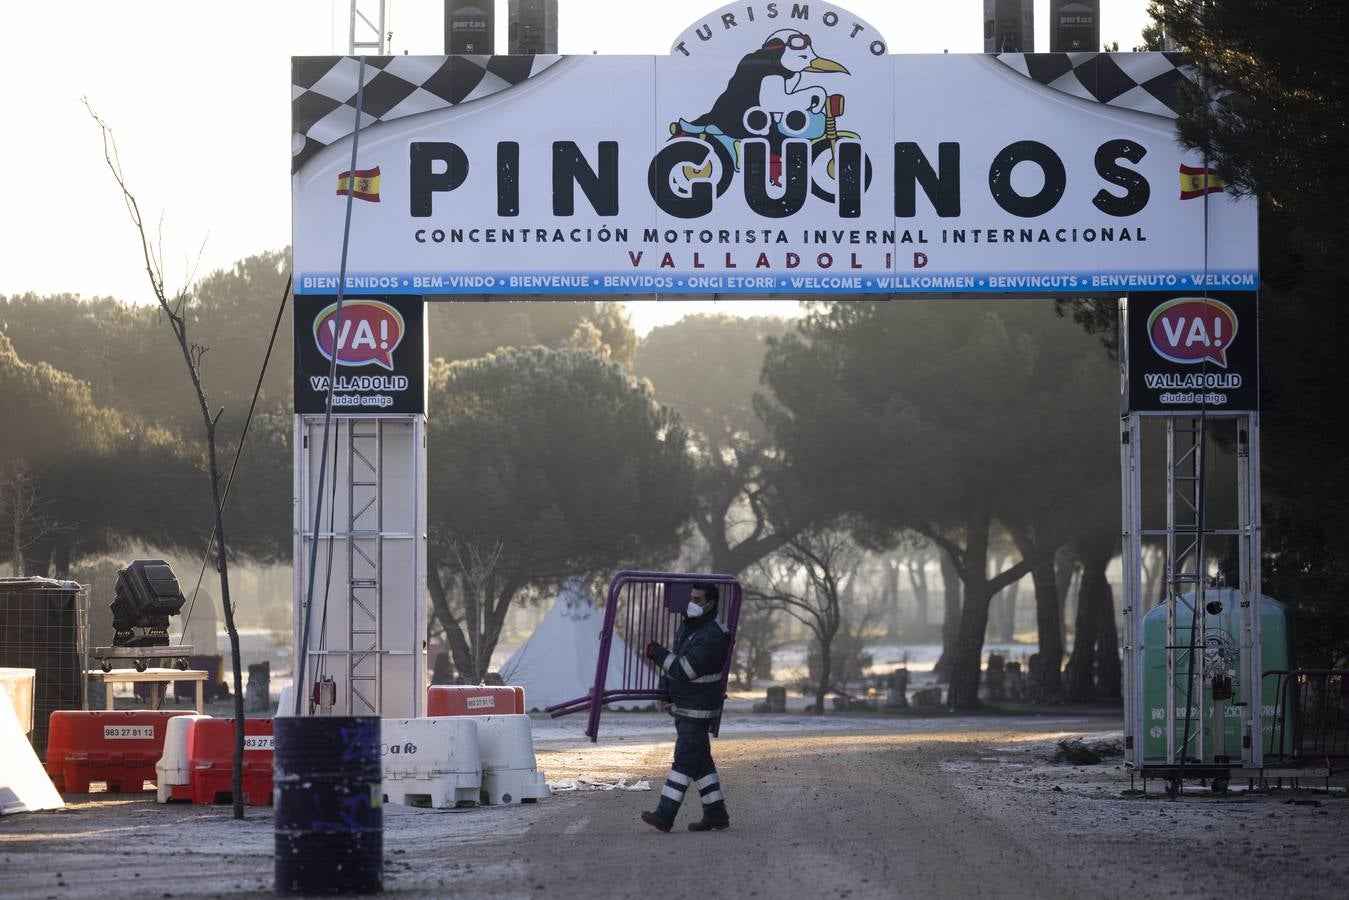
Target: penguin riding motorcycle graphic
[{"x": 766, "y": 99}]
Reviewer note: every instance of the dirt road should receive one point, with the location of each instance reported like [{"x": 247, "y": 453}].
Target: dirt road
[{"x": 879, "y": 808}]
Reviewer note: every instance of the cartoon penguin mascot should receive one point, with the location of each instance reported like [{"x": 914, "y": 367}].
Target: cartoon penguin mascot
[{"x": 770, "y": 79}]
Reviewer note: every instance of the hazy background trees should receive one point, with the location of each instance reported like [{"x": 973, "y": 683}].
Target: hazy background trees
[
  {"x": 954, "y": 421},
  {"x": 548, "y": 464},
  {"x": 470, "y": 329},
  {"x": 707, "y": 368},
  {"x": 806, "y": 579},
  {"x": 561, "y": 445},
  {"x": 969, "y": 447}
]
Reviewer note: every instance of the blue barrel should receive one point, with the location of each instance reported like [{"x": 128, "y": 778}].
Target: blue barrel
[{"x": 329, "y": 825}]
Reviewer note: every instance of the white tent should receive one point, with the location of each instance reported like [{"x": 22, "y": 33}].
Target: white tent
[
  {"x": 557, "y": 663},
  {"x": 24, "y": 785}
]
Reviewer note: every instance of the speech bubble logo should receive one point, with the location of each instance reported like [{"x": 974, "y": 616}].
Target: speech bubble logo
[
  {"x": 371, "y": 331},
  {"x": 1189, "y": 330}
]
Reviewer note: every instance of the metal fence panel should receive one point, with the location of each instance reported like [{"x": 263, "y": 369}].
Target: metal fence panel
[
  {"x": 1311, "y": 717},
  {"x": 642, "y": 607}
]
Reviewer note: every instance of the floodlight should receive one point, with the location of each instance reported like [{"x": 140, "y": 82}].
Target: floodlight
[{"x": 147, "y": 594}]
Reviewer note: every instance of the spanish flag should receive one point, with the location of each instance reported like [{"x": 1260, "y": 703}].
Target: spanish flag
[
  {"x": 1196, "y": 181},
  {"x": 363, "y": 184}
]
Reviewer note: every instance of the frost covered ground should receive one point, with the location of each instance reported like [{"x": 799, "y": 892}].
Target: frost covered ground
[{"x": 833, "y": 806}]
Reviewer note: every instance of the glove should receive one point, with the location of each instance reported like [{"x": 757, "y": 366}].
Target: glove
[{"x": 653, "y": 650}]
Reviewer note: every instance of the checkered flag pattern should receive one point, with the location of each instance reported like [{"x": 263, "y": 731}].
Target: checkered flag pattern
[
  {"x": 323, "y": 90},
  {"x": 1143, "y": 82}
]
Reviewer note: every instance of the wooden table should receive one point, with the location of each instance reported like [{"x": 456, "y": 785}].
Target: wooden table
[{"x": 160, "y": 680}]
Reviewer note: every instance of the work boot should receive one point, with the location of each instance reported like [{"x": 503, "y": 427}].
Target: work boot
[
  {"x": 657, "y": 821},
  {"x": 710, "y": 823}
]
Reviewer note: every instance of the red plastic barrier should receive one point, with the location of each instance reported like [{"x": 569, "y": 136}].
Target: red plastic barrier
[
  {"x": 119, "y": 748},
  {"x": 474, "y": 700},
  {"x": 210, "y": 752}
]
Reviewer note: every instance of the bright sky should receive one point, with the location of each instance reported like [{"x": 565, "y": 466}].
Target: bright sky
[{"x": 198, "y": 94}]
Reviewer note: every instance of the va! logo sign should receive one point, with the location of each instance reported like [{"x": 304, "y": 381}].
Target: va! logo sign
[
  {"x": 1189, "y": 330},
  {"x": 370, "y": 332}
]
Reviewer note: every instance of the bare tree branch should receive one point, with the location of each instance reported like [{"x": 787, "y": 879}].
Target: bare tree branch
[
  {"x": 813, "y": 567},
  {"x": 27, "y": 515},
  {"x": 472, "y": 607},
  {"x": 176, "y": 310}
]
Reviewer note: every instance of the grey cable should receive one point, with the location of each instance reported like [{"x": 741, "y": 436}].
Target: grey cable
[
  {"x": 1197, "y": 603},
  {"x": 302, "y": 651},
  {"x": 239, "y": 451}
]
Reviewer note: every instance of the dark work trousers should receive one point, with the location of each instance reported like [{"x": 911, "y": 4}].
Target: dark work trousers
[{"x": 693, "y": 770}]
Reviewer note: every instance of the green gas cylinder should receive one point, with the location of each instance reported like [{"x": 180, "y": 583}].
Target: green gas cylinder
[{"x": 1221, "y": 657}]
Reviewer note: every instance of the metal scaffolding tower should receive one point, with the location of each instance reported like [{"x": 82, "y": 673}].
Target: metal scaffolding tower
[
  {"x": 367, "y": 37},
  {"x": 1208, "y": 566},
  {"x": 368, "y": 629}
]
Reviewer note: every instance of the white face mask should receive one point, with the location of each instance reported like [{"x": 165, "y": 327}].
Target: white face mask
[{"x": 694, "y": 610}]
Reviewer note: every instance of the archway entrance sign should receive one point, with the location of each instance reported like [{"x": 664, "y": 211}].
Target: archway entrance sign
[{"x": 778, "y": 149}]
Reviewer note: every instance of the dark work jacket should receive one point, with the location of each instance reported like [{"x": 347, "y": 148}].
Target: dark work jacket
[{"x": 693, "y": 668}]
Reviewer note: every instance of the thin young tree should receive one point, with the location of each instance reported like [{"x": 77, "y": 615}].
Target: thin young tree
[
  {"x": 175, "y": 310},
  {"x": 756, "y": 638},
  {"x": 849, "y": 657},
  {"x": 471, "y": 629},
  {"x": 807, "y": 584},
  {"x": 28, "y": 516}
]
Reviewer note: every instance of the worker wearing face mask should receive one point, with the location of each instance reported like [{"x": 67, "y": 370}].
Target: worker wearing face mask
[{"x": 693, "y": 669}]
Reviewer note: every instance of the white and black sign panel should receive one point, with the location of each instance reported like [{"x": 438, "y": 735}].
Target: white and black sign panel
[
  {"x": 380, "y": 346},
  {"x": 1183, "y": 352},
  {"x": 778, "y": 148}
]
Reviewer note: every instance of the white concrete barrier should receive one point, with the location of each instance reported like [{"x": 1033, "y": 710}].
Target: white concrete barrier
[
  {"x": 286, "y": 705},
  {"x": 431, "y": 761},
  {"x": 174, "y": 767},
  {"x": 509, "y": 770},
  {"x": 18, "y": 684},
  {"x": 24, "y": 784}
]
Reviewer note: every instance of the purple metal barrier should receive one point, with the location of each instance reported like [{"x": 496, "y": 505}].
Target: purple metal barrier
[{"x": 643, "y": 607}]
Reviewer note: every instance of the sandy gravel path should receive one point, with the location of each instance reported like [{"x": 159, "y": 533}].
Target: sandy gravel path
[{"x": 840, "y": 808}]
